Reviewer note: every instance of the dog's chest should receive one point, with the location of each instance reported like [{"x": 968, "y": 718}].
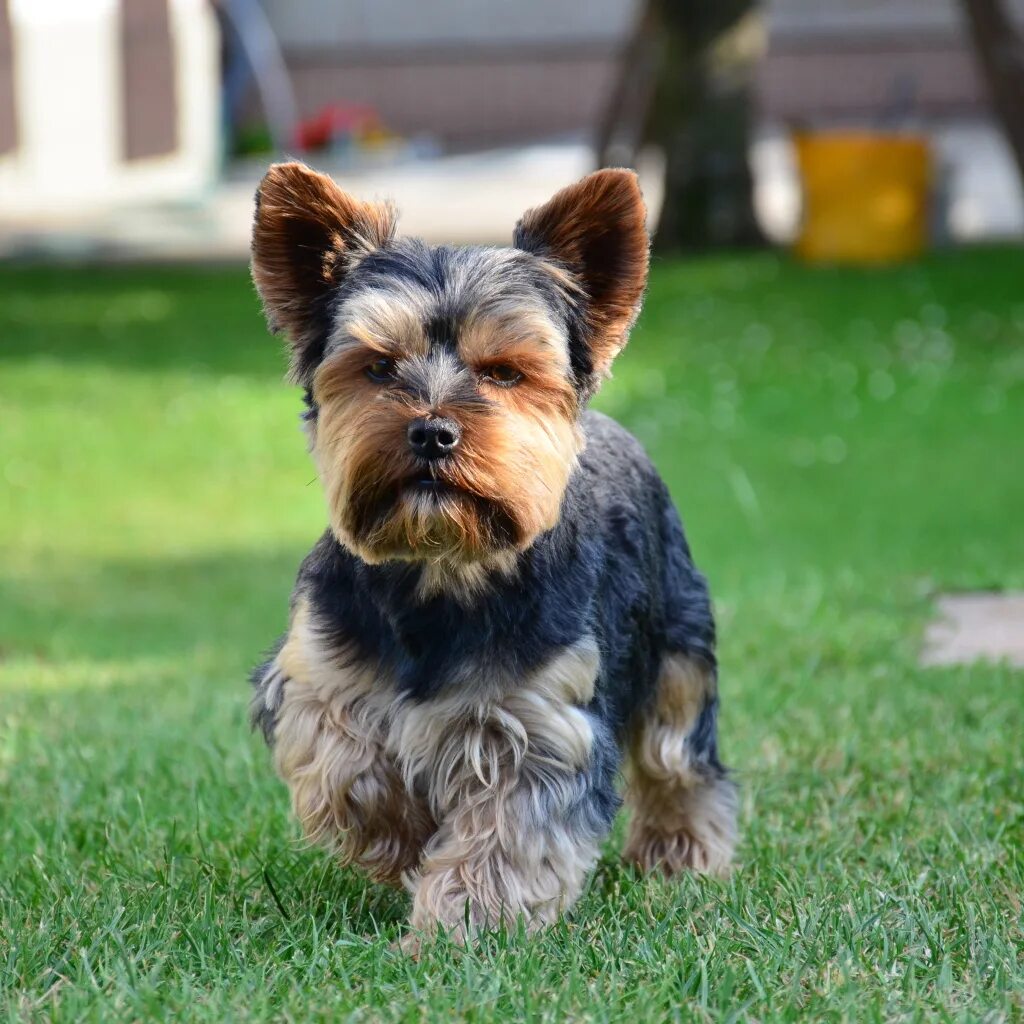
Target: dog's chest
[{"x": 472, "y": 732}]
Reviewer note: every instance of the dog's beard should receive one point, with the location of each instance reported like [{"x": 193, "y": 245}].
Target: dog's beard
[
  {"x": 480, "y": 506},
  {"x": 423, "y": 516}
]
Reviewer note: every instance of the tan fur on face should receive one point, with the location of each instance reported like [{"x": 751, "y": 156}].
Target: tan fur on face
[
  {"x": 370, "y": 772},
  {"x": 508, "y": 335},
  {"x": 363, "y": 456},
  {"x": 386, "y": 322},
  {"x": 517, "y": 452},
  {"x": 683, "y": 813}
]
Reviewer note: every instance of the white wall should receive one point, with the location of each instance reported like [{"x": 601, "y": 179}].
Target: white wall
[{"x": 68, "y": 101}]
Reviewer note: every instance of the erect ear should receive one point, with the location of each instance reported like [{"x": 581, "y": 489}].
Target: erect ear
[
  {"x": 595, "y": 230},
  {"x": 306, "y": 235}
]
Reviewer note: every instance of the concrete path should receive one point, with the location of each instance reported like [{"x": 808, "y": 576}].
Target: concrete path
[
  {"x": 478, "y": 198},
  {"x": 976, "y": 627},
  {"x": 463, "y": 199}
]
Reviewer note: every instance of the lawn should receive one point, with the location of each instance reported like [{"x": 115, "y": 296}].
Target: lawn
[{"x": 842, "y": 444}]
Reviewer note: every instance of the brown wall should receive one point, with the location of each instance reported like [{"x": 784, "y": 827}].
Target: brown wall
[
  {"x": 531, "y": 75},
  {"x": 8, "y": 114},
  {"x": 481, "y": 98},
  {"x": 863, "y": 78},
  {"x": 148, "y": 93},
  {"x": 474, "y": 98}
]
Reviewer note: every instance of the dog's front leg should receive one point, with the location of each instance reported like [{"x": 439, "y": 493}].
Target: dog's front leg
[
  {"x": 325, "y": 719},
  {"x": 346, "y": 791},
  {"x": 523, "y": 788},
  {"x": 525, "y": 853}
]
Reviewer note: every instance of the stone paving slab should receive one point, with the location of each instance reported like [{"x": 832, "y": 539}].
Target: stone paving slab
[{"x": 983, "y": 626}]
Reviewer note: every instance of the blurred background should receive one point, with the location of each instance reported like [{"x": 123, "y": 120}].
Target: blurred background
[
  {"x": 828, "y": 373},
  {"x": 139, "y": 128}
]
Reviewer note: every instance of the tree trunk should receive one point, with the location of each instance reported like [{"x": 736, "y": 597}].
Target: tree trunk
[
  {"x": 692, "y": 62},
  {"x": 1000, "y": 49},
  {"x": 619, "y": 133}
]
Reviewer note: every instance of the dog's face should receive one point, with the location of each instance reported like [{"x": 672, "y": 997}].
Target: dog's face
[{"x": 445, "y": 384}]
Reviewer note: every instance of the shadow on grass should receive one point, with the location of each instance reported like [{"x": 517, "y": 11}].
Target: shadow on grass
[
  {"x": 147, "y": 607},
  {"x": 126, "y": 700},
  {"x": 198, "y": 321},
  {"x": 307, "y": 886}
]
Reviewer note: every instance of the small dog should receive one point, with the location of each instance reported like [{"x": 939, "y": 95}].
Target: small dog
[{"x": 504, "y": 603}]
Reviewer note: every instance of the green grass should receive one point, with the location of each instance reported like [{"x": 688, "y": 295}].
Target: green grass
[{"x": 842, "y": 444}]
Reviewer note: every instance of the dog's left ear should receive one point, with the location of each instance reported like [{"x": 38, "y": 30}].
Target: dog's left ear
[
  {"x": 307, "y": 234},
  {"x": 596, "y": 231}
]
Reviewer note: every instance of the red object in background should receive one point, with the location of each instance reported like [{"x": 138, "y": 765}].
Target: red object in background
[{"x": 334, "y": 121}]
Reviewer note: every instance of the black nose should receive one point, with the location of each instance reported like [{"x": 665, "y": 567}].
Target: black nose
[{"x": 433, "y": 438}]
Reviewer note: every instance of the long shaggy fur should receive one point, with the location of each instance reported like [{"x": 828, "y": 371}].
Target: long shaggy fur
[
  {"x": 684, "y": 808},
  {"x": 484, "y": 631},
  {"x": 372, "y": 771}
]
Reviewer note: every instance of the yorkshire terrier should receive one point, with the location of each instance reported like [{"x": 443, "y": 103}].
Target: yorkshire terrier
[{"x": 504, "y": 606}]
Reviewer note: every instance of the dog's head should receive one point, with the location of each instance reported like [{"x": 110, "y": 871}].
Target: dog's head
[{"x": 445, "y": 384}]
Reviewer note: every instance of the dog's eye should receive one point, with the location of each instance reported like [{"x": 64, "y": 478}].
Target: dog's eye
[
  {"x": 381, "y": 370},
  {"x": 506, "y": 376}
]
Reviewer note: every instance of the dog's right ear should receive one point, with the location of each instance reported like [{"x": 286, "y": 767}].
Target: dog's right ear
[
  {"x": 595, "y": 231},
  {"x": 307, "y": 234}
]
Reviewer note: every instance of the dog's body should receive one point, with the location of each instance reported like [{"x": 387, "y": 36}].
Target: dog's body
[{"x": 505, "y": 602}]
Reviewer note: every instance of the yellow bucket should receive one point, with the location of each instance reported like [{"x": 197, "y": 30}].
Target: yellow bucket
[{"x": 865, "y": 197}]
